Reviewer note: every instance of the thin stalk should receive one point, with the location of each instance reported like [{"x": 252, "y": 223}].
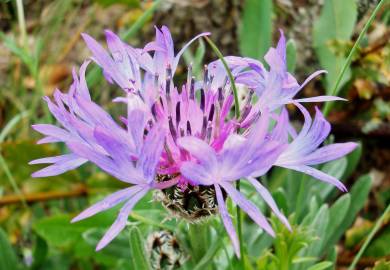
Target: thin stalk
[
  {"x": 21, "y": 22},
  {"x": 237, "y": 114},
  {"x": 141, "y": 21},
  {"x": 12, "y": 181},
  {"x": 230, "y": 75},
  {"x": 351, "y": 53},
  {"x": 369, "y": 238}
]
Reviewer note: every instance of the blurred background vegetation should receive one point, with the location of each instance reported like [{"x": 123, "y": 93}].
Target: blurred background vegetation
[{"x": 41, "y": 43}]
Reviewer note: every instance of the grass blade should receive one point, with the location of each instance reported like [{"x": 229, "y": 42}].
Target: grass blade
[
  {"x": 351, "y": 53},
  {"x": 369, "y": 238}
]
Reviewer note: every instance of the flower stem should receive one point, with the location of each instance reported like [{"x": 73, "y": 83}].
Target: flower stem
[
  {"x": 237, "y": 114},
  {"x": 369, "y": 238},
  {"x": 21, "y": 22},
  {"x": 239, "y": 227},
  {"x": 230, "y": 75},
  {"x": 351, "y": 53}
]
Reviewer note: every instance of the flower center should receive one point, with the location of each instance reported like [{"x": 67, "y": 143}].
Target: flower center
[{"x": 192, "y": 203}]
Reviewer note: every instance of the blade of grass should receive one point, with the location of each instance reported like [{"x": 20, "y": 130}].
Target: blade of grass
[
  {"x": 351, "y": 53},
  {"x": 10, "y": 125},
  {"x": 3, "y": 134},
  {"x": 12, "y": 181},
  {"x": 369, "y": 238},
  {"x": 21, "y": 22},
  {"x": 141, "y": 21}
]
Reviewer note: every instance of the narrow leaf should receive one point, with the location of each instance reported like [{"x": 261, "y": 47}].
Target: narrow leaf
[
  {"x": 138, "y": 257},
  {"x": 255, "y": 33}
]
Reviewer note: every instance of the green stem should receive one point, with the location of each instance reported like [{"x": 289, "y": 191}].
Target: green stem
[
  {"x": 369, "y": 238},
  {"x": 237, "y": 114},
  {"x": 12, "y": 180},
  {"x": 230, "y": 75},
  {"x": 351, "y": 53},
  {"x": 21, "y": 22},
  {"x": 239, "y": 228},
  {"x": 141, "y": 21}
]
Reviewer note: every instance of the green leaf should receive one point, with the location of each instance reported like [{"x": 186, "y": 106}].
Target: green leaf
[
  {"x": 15, "y": 49},
  {"x": 291, "y": 55},
  {"x": 138, "y": 257},
  {"x": 382, "y": 265},
  {"x": 130, "y": 3},
  {"x": 380, "y": 246},
  {"x": 255, "y": 34},
  {"x": 332, "y": 257},
  {"x": 336, "y": 24},
  {"x": 280, "y": 198},
  {"x": 209, "y": 255},
  {"x": 118, "y": 248},
  {"x": 337, "y": 213},
  {"x": 199, "y": 236},
  {"x": 59, "y": 232},
  {"x": 8, "y": 258},
  {"x": 40, "y": 252},
  {"x": 321, "y": 266},
  {"x": 359, "y": 194},
  {"x": 319, "y": 226}
]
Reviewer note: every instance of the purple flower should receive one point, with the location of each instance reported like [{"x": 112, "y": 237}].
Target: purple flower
[
  {"x": 181, "y": 141},
  {"x": 303, "y": 151}
]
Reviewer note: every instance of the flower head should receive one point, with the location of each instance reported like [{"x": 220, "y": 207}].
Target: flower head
[{"x": 181, "y": 139}]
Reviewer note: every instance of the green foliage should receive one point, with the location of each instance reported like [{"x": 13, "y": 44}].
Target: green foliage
[
  {"x": 380, "y": 246},
  {"x": 335, "y": 24},
  {"x": 138, "y": 256},
  {"x": 130, "y": 3},
  {"x": 8, "y": 260},
  {"x": 382, "y": 265},
  {"x": 359, "y": 194},
  {"x": 291, "y": 55},
  {"x": 255, "y": 33}
]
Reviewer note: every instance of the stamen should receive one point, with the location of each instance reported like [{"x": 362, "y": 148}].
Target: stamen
[
  {"x": 220, "y": 97},
  {"x": 202, "y": 99},
  {"x": 169, "y": 153},
  {"x": 204, "y": 126},
  {"x": 248, "y": 98},
  {"x": 189, "y": 132},
  {"x": 209, "y": 130},
  {"x": 178, "y": 113},
  {"x": 168, "y": 96},
  {"x": 155, "y": 80},
  {"x": 192, "y": 88},
  {"x": 211, "y": 113},
  {"x": 172, "y": 128},
  {"x": 217, "y": 120},
  {"x": 150, "y": 124},
  {"x": 154, "y": 111},
  {"x": 168, "y": 86},
  {"x": 245, "y": 112},
  {"x": 205, "y": 76},
  {"x": 161, "y": 102},
  {"x": 169, "y": 71}
]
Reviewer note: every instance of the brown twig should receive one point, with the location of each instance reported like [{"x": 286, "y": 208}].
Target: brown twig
[
  {"x": 44, "y": 196},
  {"x": 346, "y": 258}
]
